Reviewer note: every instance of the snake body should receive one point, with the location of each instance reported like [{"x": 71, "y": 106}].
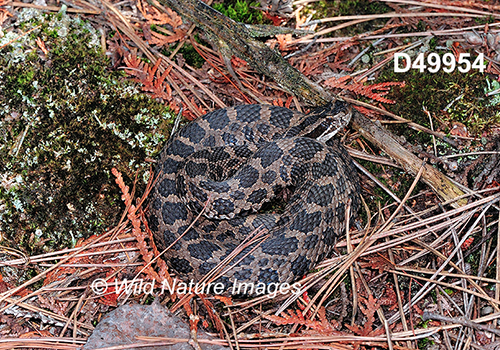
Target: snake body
[{"x": 227, "y": 165}]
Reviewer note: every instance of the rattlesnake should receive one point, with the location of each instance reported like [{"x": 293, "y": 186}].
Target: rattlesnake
[{"x": 227, "y": 164}]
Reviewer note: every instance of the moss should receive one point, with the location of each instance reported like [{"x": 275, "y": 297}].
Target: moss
[
  {"x": 65, "y": 122},
  {"x": 462, "y": 93},
  {"x": 325, "y": 9},
  {"x": 425, "y": 343},
  {"x": 359, "y": 7},
  {"x": 241, "y": 11},
  {"x": 484, "y": 20},
  {"x": 188, "y": 52},
  {"x": 191, "y": 56}
]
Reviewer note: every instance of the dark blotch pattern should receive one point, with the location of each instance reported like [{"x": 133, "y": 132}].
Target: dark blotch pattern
[
  {"x": 249, "y": 113},
  {"x": 300, "y": 266},
  {"x": 305, "y": 148},
  {"x": 269, "y": 154},
  {"x": 173, "y": 211},
  {"x": 311, "y": 241},
  {"x": 330, "y": 236},
  {"x": 219, "y": 120},
  {"x": 170, "y": 166},
  {"x": 210, "y": 228},
  {"x": 219, "y": 187},
  {"x": 178, "y": 148},
  {"x": 237, "y": 221},
  {"x": 157, "y": 204},
  {"x": 194, "y": 133},
  {"x": 248, "y": 132},
  {"x": 181, "y": 265},
  {"x": 169, "y": 239},
  {"x": 229, "y": 139},
  {"x": 305, "y": 222},
  {"x": 269, "y": 275},
  {"x": 237, "y": 195},
  {"x": 242, "y": 151},
  {"x": 257, "y": 196},
  {"x": 153, "y": 223},
  {"x": 225, "y": 235},
  {"x": 223, "y": 206},
  {"x": 194, "y": 169},
  {"x": 190, "y": 235},
  {"x": 243, "y": 275},
  {"x": 263, "y": 129},
  {"x": 218, "y": 154},
  {"x": 321, "y": 195},
  {"x": 329, "y": 167},
  {"x": 198, "y": 193},
  {"x": 248, "y": 176},
  {"x": 280, "y": 245},
  {"x": 280, "y": 117},
  {"x": 269, "y": 176},
  {"x": 202, "y": 250},
  {"x": 209, "y": 141},
  {"x": 206, "y": 267},
  {"x": 267, "y": 221}
]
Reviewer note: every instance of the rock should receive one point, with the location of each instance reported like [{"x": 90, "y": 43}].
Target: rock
[{"x": 123, "y": 325}]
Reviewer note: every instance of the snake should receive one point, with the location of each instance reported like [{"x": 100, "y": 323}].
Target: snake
[{"x": 253, "y": 193}]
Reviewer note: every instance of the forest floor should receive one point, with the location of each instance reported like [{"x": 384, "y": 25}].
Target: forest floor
[{"x": 90, "y": 92}]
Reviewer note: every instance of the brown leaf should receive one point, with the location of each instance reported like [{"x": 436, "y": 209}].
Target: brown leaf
[
  {"x": 322, "y": 327},
  {"x": 365, "y": 90},
  {"x": 154, "y": 16},
  {"x": 368, "y": 309}
]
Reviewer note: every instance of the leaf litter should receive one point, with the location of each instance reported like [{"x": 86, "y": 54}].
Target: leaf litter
[{"x": 423, "y": 257}]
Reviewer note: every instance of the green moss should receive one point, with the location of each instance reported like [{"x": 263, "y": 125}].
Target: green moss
[
  {"x": 425, "y": 343},
  {"x": 25, "y": 78},
  {"x": 463, "y": 93},
  {"x": 191, "y": 56},
  {"x": 484, "y": 20},
  {"x": 240, "y": 11},
  {"x": 325, "y": 9},
  {"x": 188, "y": 52},
  {"x": 358, "y": 7},
  {"x": 65, "y": 121}
]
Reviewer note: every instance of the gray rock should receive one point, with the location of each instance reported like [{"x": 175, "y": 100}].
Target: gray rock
[{"x": 123, "y": 325}]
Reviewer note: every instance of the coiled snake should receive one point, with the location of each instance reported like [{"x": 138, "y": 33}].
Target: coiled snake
[{"x": 228, "y": 164}]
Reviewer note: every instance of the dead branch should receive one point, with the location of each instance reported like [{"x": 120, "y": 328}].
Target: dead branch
[{"x": 464, "y": 322}]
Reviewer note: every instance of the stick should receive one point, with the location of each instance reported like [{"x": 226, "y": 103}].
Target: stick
[{"x": 464, "y": 322}]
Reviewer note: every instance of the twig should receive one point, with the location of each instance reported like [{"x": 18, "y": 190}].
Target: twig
[
  {"x": 464, "y": 322},
  {"x": 53, "y": 8},
  {"x": 457, "y": 31},
  {"x": 54, "y": 255},
  {"x": 19, "y": 36},
  {"x": 445, "y": 7},
  {"x": 411, "y": 124},
  {"x": 391, "y": 15}
]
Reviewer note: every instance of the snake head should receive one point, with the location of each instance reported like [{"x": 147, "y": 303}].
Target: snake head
[
  {"x": 336, "y": 117},
  {"x": 322, "y": 123}
]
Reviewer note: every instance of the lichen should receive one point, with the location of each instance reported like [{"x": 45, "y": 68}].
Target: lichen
[{"x": 65, "y": 121}]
